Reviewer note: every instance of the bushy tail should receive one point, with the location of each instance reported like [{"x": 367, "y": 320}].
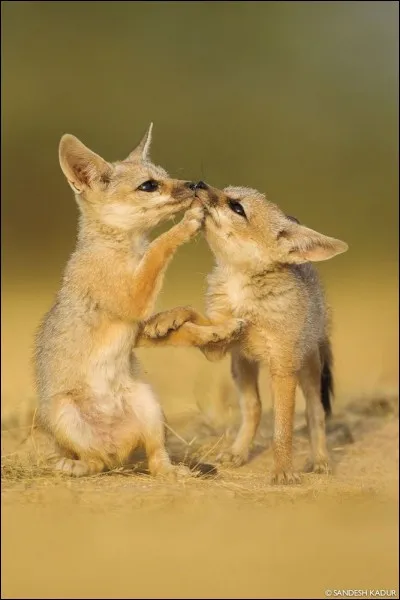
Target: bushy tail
[{"x": 327, "y": 387}]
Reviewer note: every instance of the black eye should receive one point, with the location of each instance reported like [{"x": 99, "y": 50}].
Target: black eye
[
  {"x": 237, "y": 208},
  {"x": 148, "y": 186}
]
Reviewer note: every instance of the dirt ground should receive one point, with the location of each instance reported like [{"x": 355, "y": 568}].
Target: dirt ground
[
  {"x": 126, "y": 535},
  {"x": 229, "y": 535}
]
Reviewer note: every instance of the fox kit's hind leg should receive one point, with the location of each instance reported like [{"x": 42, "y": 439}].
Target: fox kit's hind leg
[
  {"x": 245, "y": 376},
  {"x": 75, "y": 467},
  {"x": 150, "y": 415},
  {"x": 310, "y": 383},
  {"x": 73, "y": 439},
  {"x": 284, "y": 393},
  {"x": 65, "y": 461},
  {"x": 87, "y": 449}
]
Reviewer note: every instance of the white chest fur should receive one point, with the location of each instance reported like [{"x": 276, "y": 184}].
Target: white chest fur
[
  {"x": 229, "y": 292},
  {"x": 238, "y": 292}
]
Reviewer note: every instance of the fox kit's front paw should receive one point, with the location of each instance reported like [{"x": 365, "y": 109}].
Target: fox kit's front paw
[
  {"x": 233, "y": 458},
  {"x": 193, "y": 220},
  {"x": 162, "y": 323},
  {"x": 175, "y": 472},
  {"x": 213, "y": 334},
  {"x": 209, "y": 337},
  {"x": 320, "y": 466},
  {"x": 228, "y": 331},
  {"x": 236, "y": 327},
  {"x": 281, "y": 477}
]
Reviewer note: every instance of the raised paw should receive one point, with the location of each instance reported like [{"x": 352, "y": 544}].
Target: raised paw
[
  {"x": 231, "y": 458},
  {"x": 228, "y": 331},
  {"x": 193, "y": 219},
  {"x": 321, "y": 467},
  {"x": 161, "y": 324},
  {"x": 285, "y": 478},
  {"x": 236, "y": 328}
]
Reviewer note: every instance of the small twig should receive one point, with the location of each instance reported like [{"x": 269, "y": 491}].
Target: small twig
[
  {"x": 8, "y": 455},
  {"x": 209, "y": 451},
  {"x": 179, "y": 436},
  {"x": 32, "y": 428},
  {"x": 16, "y": 428}
]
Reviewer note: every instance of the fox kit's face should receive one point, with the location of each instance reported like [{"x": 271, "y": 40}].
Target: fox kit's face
[
  {"x": 244, "y": 229},
  {"x": 133, "y": 194}
]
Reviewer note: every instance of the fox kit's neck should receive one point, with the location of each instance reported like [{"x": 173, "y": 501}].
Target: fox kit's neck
[
  {"x": 244, "y": 286},
  {"x": 94, "y": 235},
  {"x": 255, "y": 272}
]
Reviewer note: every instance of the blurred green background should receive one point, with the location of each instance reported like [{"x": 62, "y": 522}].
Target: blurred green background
[{"x": 297, "y": 99}]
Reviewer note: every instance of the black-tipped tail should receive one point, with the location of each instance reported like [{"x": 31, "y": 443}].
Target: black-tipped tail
[{"x": 327, "y": 387}]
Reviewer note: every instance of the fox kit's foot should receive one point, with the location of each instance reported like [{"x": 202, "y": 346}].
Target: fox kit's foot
[
  {"x": 160, "y": 324},
  {"x": 174, "y": 472},
  {"x": 233, "y": 458},
  {"x": 285, "y": 478},
  {"x": 76, "y": 468},
  {"x": 320, "y": 466}
]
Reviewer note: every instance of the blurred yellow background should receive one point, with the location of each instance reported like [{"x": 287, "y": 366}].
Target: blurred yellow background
[{"x": 297, "y": 99}]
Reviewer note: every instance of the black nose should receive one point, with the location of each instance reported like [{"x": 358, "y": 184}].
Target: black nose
[
  {"x": 201, "y": 185},
  {"x": 191, "y": 185}
]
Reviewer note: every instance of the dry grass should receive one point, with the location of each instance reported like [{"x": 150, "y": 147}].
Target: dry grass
[
  {"x": 125, "y": 534},
  {"x": 193, "y": 439}
]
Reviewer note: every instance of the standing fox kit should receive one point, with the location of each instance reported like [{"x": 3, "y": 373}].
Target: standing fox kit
[
  {"x": 264, "y": 278},
  {"x": 92, "y": 400}
]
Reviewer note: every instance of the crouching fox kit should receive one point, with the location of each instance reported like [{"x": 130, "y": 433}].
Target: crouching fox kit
[
  {"x": 92, "y": 400},
  {"x": 263, "y": 277}
]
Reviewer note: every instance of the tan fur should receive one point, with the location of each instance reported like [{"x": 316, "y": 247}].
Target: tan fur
[
  {"x": 93, "y": 401},
  {"x": 262, "y": 278}
]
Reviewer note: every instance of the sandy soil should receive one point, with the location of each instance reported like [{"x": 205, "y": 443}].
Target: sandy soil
[{"x": 126, "y": 535}]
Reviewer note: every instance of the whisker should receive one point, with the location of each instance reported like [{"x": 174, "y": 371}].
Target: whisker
[{"x": 202, "y": 171}]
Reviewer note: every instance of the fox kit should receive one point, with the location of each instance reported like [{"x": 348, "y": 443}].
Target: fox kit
[
  {"x": 264, "y": 277},
  {"x": 93, "y": 402}
]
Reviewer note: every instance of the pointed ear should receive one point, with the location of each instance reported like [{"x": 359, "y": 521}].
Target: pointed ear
[
  {"x": 81, "y": 166},
  {"x": 301, "y": 244},
  {"x": 141, "y": 152}
]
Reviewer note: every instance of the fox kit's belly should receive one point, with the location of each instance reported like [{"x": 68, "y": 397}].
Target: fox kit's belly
[{"x": 110, "y": 361}]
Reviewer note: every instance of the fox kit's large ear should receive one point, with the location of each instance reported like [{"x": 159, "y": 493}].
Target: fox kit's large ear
[
  {"x": 141, "y": 152},
  {"x": 301, "y": 244},
  {"x": 80, "y": 165}
]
